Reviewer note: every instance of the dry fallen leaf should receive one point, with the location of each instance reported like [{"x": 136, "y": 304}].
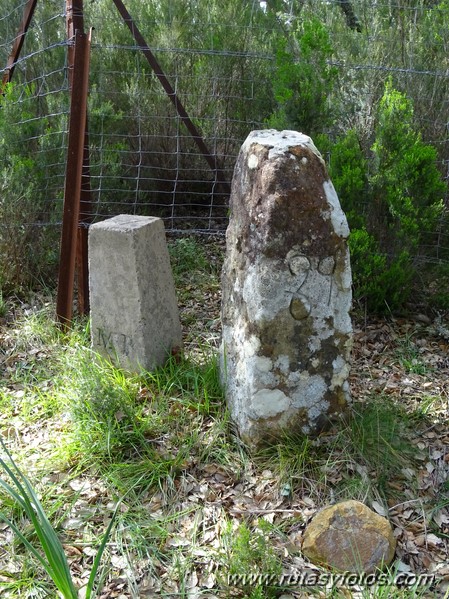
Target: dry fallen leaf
[{"x": 377, "y": 507}]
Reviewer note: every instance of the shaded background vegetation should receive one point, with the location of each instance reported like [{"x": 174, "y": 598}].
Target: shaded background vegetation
[{"x": 368, "y": 80}]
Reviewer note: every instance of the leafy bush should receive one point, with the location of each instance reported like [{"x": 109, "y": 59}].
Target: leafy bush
[
  {"x": 393, "y": 198},
  {"x": 382, "y": 283},
  {"x": 407, "y": 188},
  {"x": 348, "y": 169},
  {"x": 27, "y": 247},
  {"x": 367, "y": 265},
  {"x": 304, "y": 79}
]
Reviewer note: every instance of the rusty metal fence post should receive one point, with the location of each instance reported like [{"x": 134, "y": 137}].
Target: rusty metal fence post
[{"x": 73, "y": 178}]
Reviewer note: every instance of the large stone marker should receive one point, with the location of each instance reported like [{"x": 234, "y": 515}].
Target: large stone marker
[
  {"x": 134, "y": 312},
  {"x": 286, "y": 291}
]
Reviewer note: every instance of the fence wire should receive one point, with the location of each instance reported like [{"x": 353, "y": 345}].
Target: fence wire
[{"x": 142, "y": 159}]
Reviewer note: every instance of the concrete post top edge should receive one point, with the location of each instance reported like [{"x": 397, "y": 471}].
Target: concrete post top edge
[{"x": 124, "y": 222}]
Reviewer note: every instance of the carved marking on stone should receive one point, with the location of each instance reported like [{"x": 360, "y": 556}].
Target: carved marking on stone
[
  {"x": 298, "y": 264},
  {"x": 104, "y": 339},
  {"x": 300, "y": 307},
  {"x": 113, "y": 341},
  {"x": 327, "y": 265}
]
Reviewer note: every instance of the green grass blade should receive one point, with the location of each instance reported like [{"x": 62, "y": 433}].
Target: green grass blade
[
  {"x": 104, "y": 542},
  {"x": 99, "y": 554},
  {"x": 24, "y": 540},
  {"x": 22, "y": 498},
  {"x": 56, "y": 566},
  {"x": 11, "y": 491}
]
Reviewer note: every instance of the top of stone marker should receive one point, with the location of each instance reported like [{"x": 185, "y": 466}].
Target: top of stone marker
[
  {"x": 125, "y": 222},
  {"x": 279, "y": 142}
]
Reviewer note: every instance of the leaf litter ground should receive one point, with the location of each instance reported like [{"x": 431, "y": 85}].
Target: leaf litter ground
[{"x": 182, "y": 536}]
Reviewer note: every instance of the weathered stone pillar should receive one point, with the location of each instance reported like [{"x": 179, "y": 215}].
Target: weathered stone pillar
[
  {"x": 286, "y": 291},
  {"x": 134, "y": 312}
]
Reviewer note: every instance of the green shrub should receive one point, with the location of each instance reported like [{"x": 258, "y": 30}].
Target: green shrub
[
  {"x": 304, "y": 79},
  {"x": 348, "y": 170},
  {"x": 393, "y": 201},
  {"x": 250, "y": 559},
  {"x": 407, "y": 188},
  {"x": 435, "y": 284},
  {"x": 367, "y": 267},
  {"x": 28, "y": 242},
  {"x": 384, "y": 284}
]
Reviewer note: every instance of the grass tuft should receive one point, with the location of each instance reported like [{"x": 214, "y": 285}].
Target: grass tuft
[
  {"x": 378, "y": 433},
  {"x": 186, "y": 256},
  {"x": 410, "y": 358}
]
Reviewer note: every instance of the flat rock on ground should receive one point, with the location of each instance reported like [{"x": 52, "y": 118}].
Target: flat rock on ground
[{"x": 348, "y": 536}]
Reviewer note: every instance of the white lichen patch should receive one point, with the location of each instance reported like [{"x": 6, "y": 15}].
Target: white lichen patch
[
  {"x": 283, "y": 364},
  {"x": 341, "y": 373},
  {"x": 280, "y": 142},
  {"x": 337, "y": 215},
  {"x": 264, "y": 290},
  {"x": 293, "y": 378},
  {"x": 317, "y": 410},
  {"x": 314, "y": 344},
  {"x": 343, "y": 278},
  {"x": 251, "y": 346},
  {"x": 263, "y": 364},
  {"x": 253, "y": 161},
  {"x": 310, "y": 390},
  {"x": 267, "y": 403}
]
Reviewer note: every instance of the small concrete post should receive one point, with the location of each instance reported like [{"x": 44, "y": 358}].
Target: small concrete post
[
  {"x": 134, "y": 312},
  {"x": 286, "y": 291}
]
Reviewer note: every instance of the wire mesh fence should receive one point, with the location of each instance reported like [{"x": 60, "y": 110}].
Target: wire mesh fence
[
  {"x": 161, "y": 170},
  {"x": 221, "y": 60}
]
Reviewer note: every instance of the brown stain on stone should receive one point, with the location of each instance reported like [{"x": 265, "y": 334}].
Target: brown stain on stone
[
  {"x": 270, "y": 432},
  {"x": 300, "y": 308},
  {"x": 292, "y": 192},
  {"x": 284, "y": 336}
]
